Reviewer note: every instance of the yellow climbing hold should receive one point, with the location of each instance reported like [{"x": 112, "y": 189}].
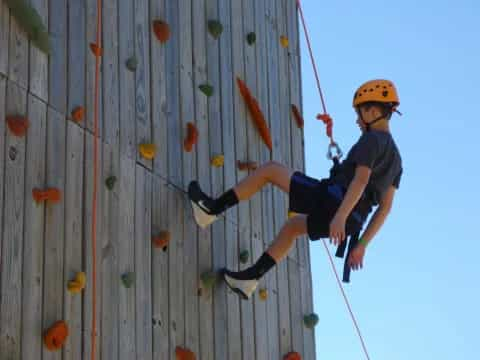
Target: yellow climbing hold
[
  {"x": 284, "y": 41},
  {"x": 218, "y": 160},
  {"x": 78, "y": 284},
  {"x": 147, "y": 150},
  {"x": 263, "y": 294},
  {"x": 291, "y": 214}
]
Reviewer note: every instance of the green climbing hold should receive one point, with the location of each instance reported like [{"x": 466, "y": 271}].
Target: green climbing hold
[
  {"x": 206, "y": 89},
  {"x": 311, "y": 320},
  {"x": 251, "y": 38},
  {"x": 132, "y": 64},
  {"x": 31, "y": 22},
  {"x": 208, "y": 279},
  {"x": 215, "y": 28},
  {"x": 244, "y": 255},
  {"x": 128, "y": 279},
  {"x": 110, "y": 182}
]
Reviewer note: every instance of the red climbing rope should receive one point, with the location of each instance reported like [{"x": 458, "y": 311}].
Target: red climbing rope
[
  {"x": 95, "y": 180},
  {"x": 329, "y": 124}
]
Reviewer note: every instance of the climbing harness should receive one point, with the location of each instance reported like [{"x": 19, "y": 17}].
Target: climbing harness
[{"x": 334, "y": 154}]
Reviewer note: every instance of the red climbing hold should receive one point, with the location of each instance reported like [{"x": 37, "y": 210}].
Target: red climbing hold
[
  {"x": 297, "y": 116},
  {"x": 184, "y": 354},
  {"x": 96, "y": 50},
  {"x": 161, "y": 30},
  {"x": 162, "y": 240},
  {"x": 18, "y": 125},
  {"x": 292, "y": 356},
  {"x": 192, "y": 137},
  {"x": 55, "y": 336},
  {"x": 78, "y": 114},
  {"x": 52, "y": 195},
  {"x": 246, "y": 165}
]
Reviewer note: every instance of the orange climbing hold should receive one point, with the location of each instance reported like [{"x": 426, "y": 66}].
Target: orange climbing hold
[
  {"x": 161, "y": 30},
  {"x": 256, "y": 113},
  {"x": 292, "y": 356},
  {"x": 78, "y": 114},
  {"x": 162, "y": 240},
  {"x": 18, "y": 125},
  {"x": 147, "y": 150},
  {"x": 297, "y": 116},
  {"x": 192, "y": 137},
  {"x": 78, "y": 284},
  {"x": 184, "y": 354},
  {"x": 96, "y": 50},
  {"x": 246, "y": 165},
  {"x": 53, "y": 195},
  {"x": 55, "y": 336}
]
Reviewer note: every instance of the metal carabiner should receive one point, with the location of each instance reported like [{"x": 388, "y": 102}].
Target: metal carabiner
[{"x": 333, "y": 147}]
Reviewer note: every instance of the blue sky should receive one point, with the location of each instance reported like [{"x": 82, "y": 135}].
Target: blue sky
[{"x": 418, "y": 294}]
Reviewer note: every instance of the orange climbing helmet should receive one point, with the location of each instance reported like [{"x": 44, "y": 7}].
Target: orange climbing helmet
[{"x": 382, "y": 91}]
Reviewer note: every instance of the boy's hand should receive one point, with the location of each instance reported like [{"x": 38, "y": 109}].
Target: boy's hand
[
  {"x": 337, "y": 230},
  {"x": 355, "y": 261}
]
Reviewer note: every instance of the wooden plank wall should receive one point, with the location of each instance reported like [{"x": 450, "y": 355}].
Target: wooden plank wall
[{"x": 43, "y": 246}]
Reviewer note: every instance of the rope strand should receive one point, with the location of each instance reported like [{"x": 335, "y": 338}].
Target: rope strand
[{"x": 328, "y": 122}]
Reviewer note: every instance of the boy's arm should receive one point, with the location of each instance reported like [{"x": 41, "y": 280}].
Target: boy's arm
[
  {"x": 354, "y": 193},
  {"x": 380, "y": 215}
]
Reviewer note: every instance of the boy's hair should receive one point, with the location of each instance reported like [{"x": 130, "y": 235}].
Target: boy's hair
[{"x": 385, "y": 108}]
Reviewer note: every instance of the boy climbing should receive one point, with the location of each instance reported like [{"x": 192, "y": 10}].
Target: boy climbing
[{"x": 335, "y": 207}]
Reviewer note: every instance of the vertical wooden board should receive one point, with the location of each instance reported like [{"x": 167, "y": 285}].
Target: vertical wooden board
[
  {"x": 88, "y": 247},
  {"x": 126, "y": 262},
  {"x": 109, "y": 253},
  {"x": 3, "y": 86},
  {"x": 18, "y": 55},
  {"x": 218, "y": 228},
  {"x": 190, "y": 241},
  {"x": 142, "y": 76},
  {"x": 58, "y": 58},
  {"x": 143, "y": 263},
  {"x": 229, "y": 137},
  {"x": 53, "y": 270},
  {"x": 126, "y": 49},
  {"x": 160, "y": 271},
  {"x": 159, "y": 91},
  {"x": 200, "y": 33},
  {"x": 111, "y": 125},
  {"x": 12, "y": 235},
  {"x": 261, "y": 320},
  {"x": 38, "y": 59},
  {"x": 238, "y": 15},
  {"x": 282, "y": 199},
  {"x": 296, "y": 308},
  {"x": 73, "y": 238},
  {"x": 91, "y": 38},
  {"x": 175, "y": 198},
  {"x": 4, "y": 36},
  {"x": 296, "y": 134},
  {"x": 34, "y": 231},
  {"x": 77, "y": 49},
  {"x": 307, "y": 305}
]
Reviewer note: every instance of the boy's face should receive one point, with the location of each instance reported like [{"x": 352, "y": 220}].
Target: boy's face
[{"x": 369, "y": 114}]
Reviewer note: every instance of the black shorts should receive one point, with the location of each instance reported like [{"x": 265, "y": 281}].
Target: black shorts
[{"x": 319, "y": 200}]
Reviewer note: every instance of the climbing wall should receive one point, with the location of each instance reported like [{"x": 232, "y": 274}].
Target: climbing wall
[{"x": 149, "y": 300}]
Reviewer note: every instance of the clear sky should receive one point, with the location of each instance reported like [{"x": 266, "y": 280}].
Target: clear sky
[{"x": 418, "y": 296}]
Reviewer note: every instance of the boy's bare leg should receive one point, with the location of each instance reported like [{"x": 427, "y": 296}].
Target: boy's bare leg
[
  {"x": 293, "y": 228},
  {"x": 270, "y": 172}
]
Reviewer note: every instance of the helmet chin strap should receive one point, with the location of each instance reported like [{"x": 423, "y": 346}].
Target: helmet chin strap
[{"x": 368, "y": 125}]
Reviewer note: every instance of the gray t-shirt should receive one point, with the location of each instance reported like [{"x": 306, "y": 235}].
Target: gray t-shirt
[{"x": 378, "y": 151}]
